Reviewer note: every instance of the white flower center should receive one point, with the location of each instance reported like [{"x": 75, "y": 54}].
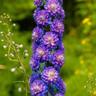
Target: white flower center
[
  {"x": 42, "y": 18},
  {"x": 53, "y": 6},
  {"x": 40, "y": 51},
  {"x": 51, "y": 75},
  {"x": 59, "y": 25},
  {"x": 50, "y": 40},
  {"x": 60, "y": 57}
]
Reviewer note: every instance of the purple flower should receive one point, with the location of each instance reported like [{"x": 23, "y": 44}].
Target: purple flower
[
  {"x": 48, "y": 49},
  {"x": 52, "y": 6},
  {"x": 37, "y": 33},
  {"x": 62, "y": 46},
  {"x": 57, "y": 26},
  {"x": 33, "y": 77},
  {"x": 41, "y": 53},
  {"x": 59, "y": 94},
  {"x": 38, "y": 87},
  {"x": 41, "y": 17},
  {"x": 49, "y": 75},
  {"x": 35, "y": 64},
  {"x": 41, "y": 94},
  {"x": 60, "y": 85},
  {"x": 60, "y": 15},
  {"x": 61, "y": 1},
  {"x": 34, "y": 46},
  {"x": 38, "y": 2},
  {"x": 50, "y": 39},
  {"x": 58, "y": 58}
]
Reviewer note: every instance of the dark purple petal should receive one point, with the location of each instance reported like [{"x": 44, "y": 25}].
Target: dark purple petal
[
  {"x": 34, "y": 63},
  {"x": 60, "y": 86},
  {"x": 38, "y": 2},
  {"x": 59, "y": 94},
  {"x": 33, "y": 77}
]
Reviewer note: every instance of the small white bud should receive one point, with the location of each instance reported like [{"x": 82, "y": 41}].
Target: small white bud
[
  {"x": 13, "y": 69},
  {"x": 1, "y": 32},
  {"x": 9, "y": 33},
  {"x": 21, "y": 46},
  {"x": 13, "y": 42},
  {"x": 19, "y": 89},
  {"x": 4, "y": 46},
  {"x": 6, "y": 55},
  {"x": 25, "y": 50},
  {"x": 26, "y": 54},
  {"x": 11, "y": 54},
  {"x": 0, "y": 21},
  {"x": 21, "y": 67},
  {"x": 10, "y": 20},
  {"x": 14, "y": 24},
  {"x": 2, "y": 40}
]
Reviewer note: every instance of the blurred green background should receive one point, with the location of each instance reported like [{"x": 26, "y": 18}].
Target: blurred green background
[{"x": 79, "y": 71}]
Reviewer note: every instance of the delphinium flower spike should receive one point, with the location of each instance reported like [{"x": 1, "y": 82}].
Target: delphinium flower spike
[{"x": 48, "y": 49}]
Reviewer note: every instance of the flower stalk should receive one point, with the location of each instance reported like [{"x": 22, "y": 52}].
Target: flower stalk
[{"x": 48, "y": 49}]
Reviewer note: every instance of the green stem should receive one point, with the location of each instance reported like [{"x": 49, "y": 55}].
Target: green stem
[{"x": 8, "y": 40}]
